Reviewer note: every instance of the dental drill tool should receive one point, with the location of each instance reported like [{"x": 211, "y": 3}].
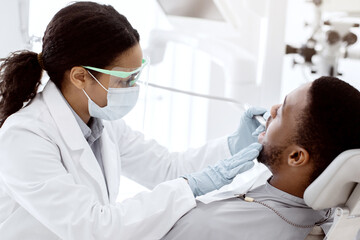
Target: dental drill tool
[
  {"x": 245, "y": 106},
  {"x": 261, "y": 120}
]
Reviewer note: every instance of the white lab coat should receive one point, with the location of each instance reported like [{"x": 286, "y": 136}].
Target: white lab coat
[{"x": 51, "y": 185}]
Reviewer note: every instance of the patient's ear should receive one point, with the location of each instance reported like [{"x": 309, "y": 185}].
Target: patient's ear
[{"x": 298, "y": 156}]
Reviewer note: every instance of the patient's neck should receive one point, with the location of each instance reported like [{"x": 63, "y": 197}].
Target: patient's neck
[{"x": 291, "y": 185}]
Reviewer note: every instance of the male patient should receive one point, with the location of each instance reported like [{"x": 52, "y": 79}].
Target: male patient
[{"x": 315, "y": 123}]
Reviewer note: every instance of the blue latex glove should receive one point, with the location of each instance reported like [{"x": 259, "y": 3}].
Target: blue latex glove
[
  {"x": 214, "y": 177},
  {"x": 248, "y": 130}
]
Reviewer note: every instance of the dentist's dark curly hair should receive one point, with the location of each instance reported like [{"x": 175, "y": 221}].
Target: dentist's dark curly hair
[
  {"x": 83, "y": 33},
  {"x": 330, "y": 123}
]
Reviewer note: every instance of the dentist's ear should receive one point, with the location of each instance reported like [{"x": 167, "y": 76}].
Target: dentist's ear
[
  {"x": 78, "y": 77},
  {"x": 298, "y": 157}
]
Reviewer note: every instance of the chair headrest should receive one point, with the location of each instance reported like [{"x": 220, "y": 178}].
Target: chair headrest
[{"x": 335, "y": 185}]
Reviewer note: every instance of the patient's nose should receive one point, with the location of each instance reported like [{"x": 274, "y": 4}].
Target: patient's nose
[{"x": 273, "y": 110}]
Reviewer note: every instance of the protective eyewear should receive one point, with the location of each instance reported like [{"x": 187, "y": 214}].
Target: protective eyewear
[{"x": 122, "y": 77}]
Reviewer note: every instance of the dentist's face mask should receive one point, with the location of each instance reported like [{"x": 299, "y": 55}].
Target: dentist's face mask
[{"x": 122, "y": 93}]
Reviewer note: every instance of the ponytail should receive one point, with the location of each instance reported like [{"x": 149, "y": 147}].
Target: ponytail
[{"x": 20, "y": 76}]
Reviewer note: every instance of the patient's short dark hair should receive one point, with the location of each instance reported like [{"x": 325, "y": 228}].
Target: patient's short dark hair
[{"x": 330, "y": 123}]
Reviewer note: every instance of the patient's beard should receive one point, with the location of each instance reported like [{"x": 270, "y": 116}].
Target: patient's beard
[{"x": 271, "y": 155}]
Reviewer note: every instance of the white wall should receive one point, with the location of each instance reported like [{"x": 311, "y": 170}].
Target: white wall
[{"x": 13, "y": 26}]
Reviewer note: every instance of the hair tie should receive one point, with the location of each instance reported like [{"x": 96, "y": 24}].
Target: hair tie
[{"x": 40, "y": 60}]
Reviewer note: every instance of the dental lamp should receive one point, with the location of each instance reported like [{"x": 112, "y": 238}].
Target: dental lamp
[{"x": 331, "y": 40}]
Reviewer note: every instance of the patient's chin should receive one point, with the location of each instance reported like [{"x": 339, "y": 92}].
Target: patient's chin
[
  {"x": 270, "y": 155},
  {"x": 262, "y": 156}
]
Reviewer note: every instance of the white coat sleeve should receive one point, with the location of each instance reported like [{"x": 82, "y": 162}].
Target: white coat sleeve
[
  {"x": 34, "y": 176},
  {"x": 138, "y": 154}
]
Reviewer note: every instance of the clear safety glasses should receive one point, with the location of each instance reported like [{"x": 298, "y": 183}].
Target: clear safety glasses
[{"x": 122, "y": 77}]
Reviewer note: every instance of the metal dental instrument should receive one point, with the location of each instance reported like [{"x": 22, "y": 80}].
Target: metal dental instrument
[
  {"x": 261, "y": 120},
  {"x": 245, "y": 106}
]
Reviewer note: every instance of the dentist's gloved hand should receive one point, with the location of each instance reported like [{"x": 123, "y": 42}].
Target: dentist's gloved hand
[
  {"x": 248, "y": 130},
  {"x": 214, "y": 177}
]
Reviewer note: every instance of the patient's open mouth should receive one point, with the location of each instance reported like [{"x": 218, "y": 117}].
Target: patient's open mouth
[{"x": 261, "y": 137}]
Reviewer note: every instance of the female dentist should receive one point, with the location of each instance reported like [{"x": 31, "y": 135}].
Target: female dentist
[{"x": 62, "y": 151}]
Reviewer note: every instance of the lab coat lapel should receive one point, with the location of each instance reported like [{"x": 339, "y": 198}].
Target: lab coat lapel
[
  {"x": 89, "y": 163},
  {"x": 111, "y": 163},
  {"x": 63, "y": 117},
  {"x": 72, "y": 135}
]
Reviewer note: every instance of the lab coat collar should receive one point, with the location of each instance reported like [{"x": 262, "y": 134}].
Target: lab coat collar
[
  {"x": 63, "y": 117},
  {"x": 74, "y": 139}
]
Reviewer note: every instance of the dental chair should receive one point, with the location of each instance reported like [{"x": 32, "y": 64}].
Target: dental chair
[{"x": 338, "y": 187}]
